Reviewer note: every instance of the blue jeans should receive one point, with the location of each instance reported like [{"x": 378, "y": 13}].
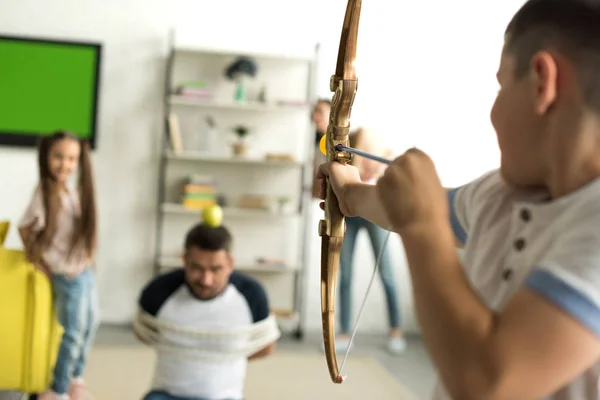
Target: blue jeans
[
  {"x": 76, "y": 303},
  {"x": 161, "y": 395},
  {"x": 377, "y": 237}
]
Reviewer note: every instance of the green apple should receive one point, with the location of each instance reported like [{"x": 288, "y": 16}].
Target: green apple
[{"x": 212, "y": 216}]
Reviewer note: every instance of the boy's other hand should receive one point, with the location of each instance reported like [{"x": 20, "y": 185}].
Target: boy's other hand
[
  {"x": 411, "y": 193},
  {"x": 340, "y": 177}
]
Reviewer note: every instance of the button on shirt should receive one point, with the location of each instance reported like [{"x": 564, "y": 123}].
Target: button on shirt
[{"x": 514, "y": 239}]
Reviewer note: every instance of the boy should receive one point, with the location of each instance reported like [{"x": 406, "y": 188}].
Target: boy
[{"x": 519, "y": 318}]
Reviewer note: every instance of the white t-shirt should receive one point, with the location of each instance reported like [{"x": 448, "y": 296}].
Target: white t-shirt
[
  {"x": 521, "y": 239},
  {"x": 243, "y": 303}
]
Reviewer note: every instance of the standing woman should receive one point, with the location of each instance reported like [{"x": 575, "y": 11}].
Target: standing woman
[{"x": 370, "y": 171}]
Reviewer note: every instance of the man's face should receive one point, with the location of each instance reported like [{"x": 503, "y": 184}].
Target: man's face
[
  {"x": 207, "y": 272},
  {"x": 520, "y": 125}
]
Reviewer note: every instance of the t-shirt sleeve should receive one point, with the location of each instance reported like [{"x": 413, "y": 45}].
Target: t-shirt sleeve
[
  {"x": 465, "y": 200},
  {"x": 34, "y": 216},
  {"x": 569, "y": 276},
  {"x": 255, "y": 295},
  {"x": 156, "y": 293}
]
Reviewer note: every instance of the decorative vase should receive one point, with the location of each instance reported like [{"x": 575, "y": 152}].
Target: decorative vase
[
  {"x": 240, "y": 89},
  {"x": 239, "y": 149},
  {"x": 210, "y": 140}
]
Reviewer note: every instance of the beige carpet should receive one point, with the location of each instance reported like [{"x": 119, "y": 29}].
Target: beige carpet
[{"x": 124, "y": 373}]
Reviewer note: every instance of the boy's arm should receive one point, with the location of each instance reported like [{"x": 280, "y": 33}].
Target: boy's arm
[
  {"x": 363, "y": 201},
  {"x": 544, "y": 337}
]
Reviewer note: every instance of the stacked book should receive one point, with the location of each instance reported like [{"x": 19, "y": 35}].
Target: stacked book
[
  {"x": 194, "y": 89},
  {"x": 199, "y": 191}
]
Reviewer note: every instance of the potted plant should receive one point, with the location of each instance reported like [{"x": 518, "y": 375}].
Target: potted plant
[
  {"x": 240, "y": 147},
  {"x": 282, "y": 201},
  {"x": 239, "y": 71}
]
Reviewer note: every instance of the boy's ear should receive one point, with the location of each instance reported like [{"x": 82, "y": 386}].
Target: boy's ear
[{"x": 545, "y": 71}]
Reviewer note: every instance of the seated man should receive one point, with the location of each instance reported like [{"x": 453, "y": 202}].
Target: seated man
[{"x": 206, "y": 321}]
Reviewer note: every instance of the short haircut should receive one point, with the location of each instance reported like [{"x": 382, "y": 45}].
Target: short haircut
[
  {"x": 205, "y": 237},
  {"x": 571, "y": 27}
]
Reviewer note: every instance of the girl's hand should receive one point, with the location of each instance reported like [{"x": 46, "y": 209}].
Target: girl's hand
[{"x": 44, "y": 268}]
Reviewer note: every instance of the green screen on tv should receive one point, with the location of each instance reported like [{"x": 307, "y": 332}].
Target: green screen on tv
[{"x": 47, "y": 85}]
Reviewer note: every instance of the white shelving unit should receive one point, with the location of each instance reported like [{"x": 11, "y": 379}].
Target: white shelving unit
[{"x": 279, "y": 124}]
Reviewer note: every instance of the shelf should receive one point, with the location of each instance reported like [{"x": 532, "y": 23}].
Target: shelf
[
  {"x": 284, "y": 168},
  {"x": 174, "y": 262},
  {"x": 176, "y": 208},
  {"x": 309, "y": 56},
  {"x": 206, "y": 157},
  {"x": 250, "y": 106}
]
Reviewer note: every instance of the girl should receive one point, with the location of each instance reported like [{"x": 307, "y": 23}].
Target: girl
[
  {"x": 59, "y": 235},
  {"x": 370, "y": 171}
]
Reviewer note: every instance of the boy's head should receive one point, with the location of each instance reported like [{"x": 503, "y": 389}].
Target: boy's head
[
  {"x": 549, "y": 78},
  {"x": 208, "y": 260}
]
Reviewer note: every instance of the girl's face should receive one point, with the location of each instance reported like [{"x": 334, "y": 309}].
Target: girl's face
[{"x": 64, "y": 159}]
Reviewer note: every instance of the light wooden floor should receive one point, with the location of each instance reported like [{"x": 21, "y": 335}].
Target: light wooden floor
[{"x": 412, "y": 369}]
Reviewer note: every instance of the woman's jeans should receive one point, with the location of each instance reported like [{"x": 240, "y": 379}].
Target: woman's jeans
[
  {"x": 377, "y": 237},
  {"x": 76, "y": 303}
]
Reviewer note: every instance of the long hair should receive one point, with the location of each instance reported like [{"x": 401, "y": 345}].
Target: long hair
[{"x": 85, "y": 234}]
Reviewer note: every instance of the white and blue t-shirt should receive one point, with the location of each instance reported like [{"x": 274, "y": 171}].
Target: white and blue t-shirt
[
  {"x": 514, "y": 239},
  {"x": 243, "y": 303}
]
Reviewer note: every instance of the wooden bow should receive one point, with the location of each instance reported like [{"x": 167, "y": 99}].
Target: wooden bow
[{"x": 332, "y": 228}]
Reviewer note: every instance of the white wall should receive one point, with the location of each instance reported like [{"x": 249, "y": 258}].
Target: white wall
[{"x": 428, "y": 80}]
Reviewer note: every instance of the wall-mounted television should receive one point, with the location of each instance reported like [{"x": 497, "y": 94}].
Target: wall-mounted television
[{"x": 47, "y": 85}]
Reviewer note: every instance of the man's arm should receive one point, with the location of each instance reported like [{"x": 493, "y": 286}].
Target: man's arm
[
  {"x": 528, "y": 351},
  {"x": 266, "y": 351},
  {"x": 151, "y": 299}
]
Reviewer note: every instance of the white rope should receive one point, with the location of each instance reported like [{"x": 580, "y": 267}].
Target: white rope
[
  {"x": 362, "y": 306},
  {"x": 221, "y": 345}
]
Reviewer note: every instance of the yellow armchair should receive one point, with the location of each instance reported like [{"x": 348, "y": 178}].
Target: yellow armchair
[
  {"x": 30, "y": 333},
  {"x": 4, "y": 226}
]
